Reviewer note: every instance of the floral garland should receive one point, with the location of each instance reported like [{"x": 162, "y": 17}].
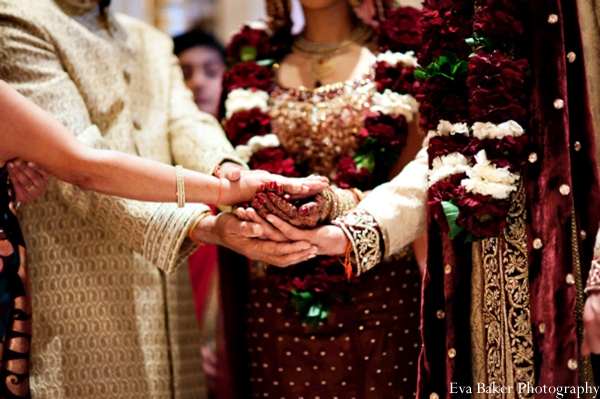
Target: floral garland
[
  {"x": 473, "y": 106},
  {"x": 247, "y": 87}
]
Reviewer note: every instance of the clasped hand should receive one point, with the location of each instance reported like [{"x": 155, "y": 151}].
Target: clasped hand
[{"x": 280, "y": 243}]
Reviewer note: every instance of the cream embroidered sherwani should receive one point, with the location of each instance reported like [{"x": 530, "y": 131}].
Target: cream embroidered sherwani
[{"x": 107, "y": 323}]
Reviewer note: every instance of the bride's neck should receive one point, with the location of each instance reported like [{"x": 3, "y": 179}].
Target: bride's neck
[{"x": 329, "y": 24}]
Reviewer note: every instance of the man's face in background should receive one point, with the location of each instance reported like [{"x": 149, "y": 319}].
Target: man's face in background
[{"x": 203, "y": 70}]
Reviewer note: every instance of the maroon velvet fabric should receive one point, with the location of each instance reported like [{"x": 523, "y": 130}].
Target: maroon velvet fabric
[
  {"x": 553, "y": 301},
  {"x": 552, "y": 133}
]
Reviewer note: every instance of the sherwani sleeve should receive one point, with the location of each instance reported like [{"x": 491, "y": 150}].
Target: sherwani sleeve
[
  {"x": 392, "y": 216},
  {"x": 197, "y": 140},
  {"x": 30, "y": 63}
]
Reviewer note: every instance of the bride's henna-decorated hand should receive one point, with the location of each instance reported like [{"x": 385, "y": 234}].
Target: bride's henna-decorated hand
[{"x": 303, "y": 214}]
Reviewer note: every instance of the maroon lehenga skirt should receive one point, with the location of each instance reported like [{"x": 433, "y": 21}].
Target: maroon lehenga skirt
[{"x": 368, "y": 348}]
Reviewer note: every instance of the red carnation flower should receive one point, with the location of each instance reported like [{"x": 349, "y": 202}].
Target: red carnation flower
[
  {"x": 401, "y": 30},
  {"x": 498, "y": 21},
  {"x": 245, "y": 75},
  {"x": 274, "y": 160},
  {"x": 349, "y": 176},
  {"x": 497, "y": 87},
  {"x": 243, "y": 125},
  {"x": 481, "y": 215},
  {"x": 444, "y": 31},
  {"x": 249, "y": 42},
  {"x": 398, "y": 79},
  {"x": 507, "y": 151},
  {"x": 442, "y": 99},
  {"x": 390, "y": 131},
  {"x": 444, "y": 145},
  {"x": 443, "y": 190}
]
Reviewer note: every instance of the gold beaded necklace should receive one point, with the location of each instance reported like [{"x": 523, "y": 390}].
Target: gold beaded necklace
[{"x": 322, "y": 63}]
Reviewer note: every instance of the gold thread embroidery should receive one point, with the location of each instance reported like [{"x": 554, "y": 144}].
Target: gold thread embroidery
[{"x": 506, "y": 310}]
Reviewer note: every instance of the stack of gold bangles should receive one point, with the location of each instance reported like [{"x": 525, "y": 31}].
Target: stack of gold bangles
[{"x": 180, "y": 186}]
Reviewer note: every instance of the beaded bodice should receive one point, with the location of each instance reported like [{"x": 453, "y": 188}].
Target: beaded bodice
[{"x": 319, "y": 126}]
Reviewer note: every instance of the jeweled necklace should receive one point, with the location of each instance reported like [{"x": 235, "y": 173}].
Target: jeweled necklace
[{"x": 322, "y": 64}]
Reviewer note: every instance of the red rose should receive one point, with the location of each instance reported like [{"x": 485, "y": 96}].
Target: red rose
[
  {"x": 274, "y": 160},
  {"x": 243, "y": 125},
  {"x": 249, "y": 45},
  {"x": 246, "y": 75},
  {"x": 401, "y": 30},
  {"x": 348, "y": 176}
]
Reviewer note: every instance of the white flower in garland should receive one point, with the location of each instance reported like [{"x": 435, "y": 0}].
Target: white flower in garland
[
  {"x": 447, "y": 165},
  {"x": 445, "y": 128},
  {"x": 258, "y": 25},
  {"x": 393, "y": 103},
  {"x": 407, "y": 59},
  {"x": 487, "y": 179},
  {"x": 255, "y": 144},
  {"x": 490, "y": 130},
  {"x": 244, "y": 100}
]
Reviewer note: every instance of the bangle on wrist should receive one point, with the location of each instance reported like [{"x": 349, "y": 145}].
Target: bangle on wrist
[
  {"x": 180, "y": 193},
  {"x": 217, "y": 173},
  {"x": 193, "y": 227}
]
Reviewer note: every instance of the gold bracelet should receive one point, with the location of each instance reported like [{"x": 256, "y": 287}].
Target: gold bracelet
[
  {"x": 193, "y": 227},
  {"x": 359, "y": 194},
  {"x": 180, "y": 186}
]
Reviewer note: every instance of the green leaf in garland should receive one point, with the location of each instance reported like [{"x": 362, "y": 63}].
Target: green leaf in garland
[
  {"x": 451, "y": 211},
  {"x": 366, "y": 161},
  {"x": 447, "y": 66},
  {"x": 487, "y": 43},
  {"x": 310, "y": 307},
  {"x": 248, "y": 54},
  {"x": 267, "y": 62}
]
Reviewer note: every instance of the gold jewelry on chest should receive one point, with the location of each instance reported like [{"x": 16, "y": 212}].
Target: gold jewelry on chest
[{"x": 322, "y": 63}]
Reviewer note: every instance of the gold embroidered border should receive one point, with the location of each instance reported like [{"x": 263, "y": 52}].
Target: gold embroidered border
[{"x": 506, "y": 313}]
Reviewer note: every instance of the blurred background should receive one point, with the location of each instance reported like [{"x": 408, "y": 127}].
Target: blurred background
[{"x": 220, "y": 17}]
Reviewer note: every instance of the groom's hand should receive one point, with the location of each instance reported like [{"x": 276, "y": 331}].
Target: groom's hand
[{"x": 243, "y": 237}]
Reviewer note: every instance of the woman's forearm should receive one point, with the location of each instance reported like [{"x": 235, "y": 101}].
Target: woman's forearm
[{"x": 30, "y": 133}]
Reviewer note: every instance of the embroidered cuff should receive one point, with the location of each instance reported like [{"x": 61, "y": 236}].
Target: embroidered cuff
[
  {"x": 166, "y": 233},
  {"x": 364, "y": 234},
  {"x": 593, "y": 281}
]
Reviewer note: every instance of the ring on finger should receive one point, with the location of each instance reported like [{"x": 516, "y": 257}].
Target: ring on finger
[{"x": 31, "y": 188}]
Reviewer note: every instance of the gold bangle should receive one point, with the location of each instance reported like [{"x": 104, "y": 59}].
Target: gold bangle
[
  {"x": 359, "y": 194},
  {"x": 193, "y": 227},
  {"x": 180, "y": 186}
]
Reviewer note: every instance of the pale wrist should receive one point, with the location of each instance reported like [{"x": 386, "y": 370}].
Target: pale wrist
[{"x": 228, "y": 192}]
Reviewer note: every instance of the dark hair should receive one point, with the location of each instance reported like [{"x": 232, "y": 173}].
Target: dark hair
[{"x": 195, "y": 38}]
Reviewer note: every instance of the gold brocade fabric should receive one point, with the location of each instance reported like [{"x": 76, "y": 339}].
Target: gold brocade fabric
[
  {"x": 319, "y": 126},
  {"x": 107, "y": 323},
  {"x": 502, "y": 340}
]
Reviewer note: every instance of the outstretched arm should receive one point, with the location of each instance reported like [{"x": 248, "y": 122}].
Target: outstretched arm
[{"x": 28, "y": 132}]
